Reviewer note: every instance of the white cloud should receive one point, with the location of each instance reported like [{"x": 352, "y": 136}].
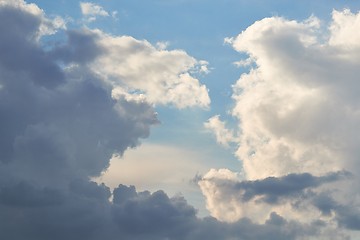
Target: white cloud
[
  {"x": 162, "y": 45},
  {"x": 163, "y": 76},
  {"x": 298, "y": 111},
  {"x": 344, "y": 30},
  {"x": 223, "y": 135},
  {"x": 221, "y": 205},
  {"x": 92, "y": 9},
  {"x": 243, "y": 63}
]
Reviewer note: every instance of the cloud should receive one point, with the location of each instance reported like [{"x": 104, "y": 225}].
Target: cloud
[
  {"x": 86, "y": 213},
  {"x": 230, "y": 199},
  {"x": 155, "y": 216},
  {"x": 88, "y": 8},
  {"x": 297, "y": 109},
  {"x": 130, "y": 61},
  {"x": 123, "y": 62},
  {"x": 92, "y": 10},
  {"x": 223, "y": 135},
  {"x": 272, "y": 188},
  {"x": 61, "y": 123},
  {"x": 62, "y": 108},
  {"x": 68, "y": 108}
]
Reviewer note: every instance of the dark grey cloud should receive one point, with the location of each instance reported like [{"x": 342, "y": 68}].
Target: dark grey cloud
[
  {"x": 84, "y": 212},
  {"x": 81, "y": 47},
  {"x": 59, "y": 126},
  {"x": 20, "y": 51},
  {"x": 26, "y": 195},
  {"x": 156, "y": 216},
  {"x": 69, "y": 129},
  {"x": 272, "y": 189},
  {"x": 347, "y": 216}
]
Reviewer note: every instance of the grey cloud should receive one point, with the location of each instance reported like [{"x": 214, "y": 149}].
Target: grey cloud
[
  {"x": 152, "y": 216},
  {"x": 85, "y": 213},
  {"x": 272, "y": 189},
  {"x": 81, "y": 47},
  {"x": 325, "y": 203},
  {"x": 25, "y": 195},
  {"x": 20, "y": 52},
  {"x": 347, "y": 216},
  {"x": 57, "y": 124}
]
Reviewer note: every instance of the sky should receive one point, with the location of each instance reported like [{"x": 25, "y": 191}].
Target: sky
[{"x": 179, "y": 119}]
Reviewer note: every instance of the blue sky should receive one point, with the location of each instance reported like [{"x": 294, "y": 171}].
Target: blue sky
[{"x": 147, "y": 93}]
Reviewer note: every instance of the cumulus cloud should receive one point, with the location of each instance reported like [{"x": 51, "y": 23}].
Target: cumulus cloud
[
  {"x": 168, "y": 74},
  {"x": 297, "y": 109},
  {"x": 298, "y": 106},
  {"x": 135, "y": 69}
]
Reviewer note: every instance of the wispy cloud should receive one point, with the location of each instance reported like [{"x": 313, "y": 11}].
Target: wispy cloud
[{"x": 92, "y": 10}]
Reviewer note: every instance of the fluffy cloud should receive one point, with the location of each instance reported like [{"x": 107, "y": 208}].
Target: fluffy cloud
[
  {"x": 88, "y": 8},
  {"x": 135, "y": 69},
  {"x": 223, "y": 135},
  {"x": 298, "y": 111},
  {"x": 130, "y": 61},
  {"x": 298, "y": 106},
  {"x": 92, "y": 10}
]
